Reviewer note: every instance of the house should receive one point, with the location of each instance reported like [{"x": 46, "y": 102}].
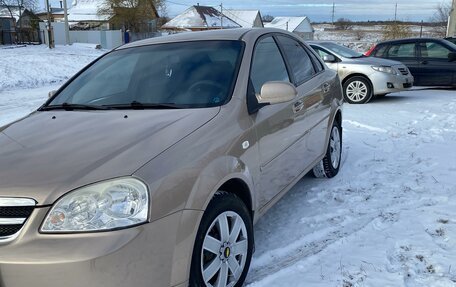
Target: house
[
  {"x": 7, "y": 30},
  {"x": 91, "y": 15},
  {"x": 301, "y": 26},
  {"x": 199, "y": 18},
  {"x": 56, "y": 14},
  {"x": 83, "y": 15},
  {"x": 245, "y": 18},
  {"x": 13, "y": 19}
]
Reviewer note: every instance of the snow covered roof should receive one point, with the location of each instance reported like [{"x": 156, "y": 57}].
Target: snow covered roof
[
  {"x": 292, "y": 24},
  {"x": 54, "y": 11},
  {"x": 87, "y": 11},
  {"x": 5, "y": 13},
  {"x": 200, "y": 17},
  {"x": 245, "y": 18}
]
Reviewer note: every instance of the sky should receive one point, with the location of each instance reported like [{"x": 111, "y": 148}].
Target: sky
[{"x": 321, "y": 10}]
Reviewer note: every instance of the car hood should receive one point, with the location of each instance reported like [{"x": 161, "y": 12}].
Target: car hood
[
  {"x": 50, "y": 153},
  {"x": 374, "y": 61}
]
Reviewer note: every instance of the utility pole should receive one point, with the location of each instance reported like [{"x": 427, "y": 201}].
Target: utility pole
[
  {"x": 49, "y": 27},
  {"x": 395, "y": 14},
  {"x": 334, "y": 12},
  {"x": 221, "y": 15},
  {"x": 287, "y": 25},
  {"x": 67, "y": 28},
  {"x": 421, "y": 29},
  {"x": 451, "y": 29}
]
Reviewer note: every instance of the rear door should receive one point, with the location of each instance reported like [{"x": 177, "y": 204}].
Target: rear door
[
  {"x": 313, "y": 86},
  {"x": 435, "y": 67}
]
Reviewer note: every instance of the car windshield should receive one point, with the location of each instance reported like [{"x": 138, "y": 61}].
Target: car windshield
[
  {"x": 341, "y": 50},
  {"x": 176, "y": 75}
]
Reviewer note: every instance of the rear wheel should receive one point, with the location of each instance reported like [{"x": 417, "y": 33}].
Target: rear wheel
[
  {"x": 224, "y": 244},
  {"x": 330, "y": 164},
  {"x": 357, "y": 90}
]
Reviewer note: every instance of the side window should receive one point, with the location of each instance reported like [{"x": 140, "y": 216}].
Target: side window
[
  {"x": 434, "y": 50},
  {"x": 406, "y": 50},
  {"x": 320, "y": 52},
  {"x": 267, "y": 64},
  {"x": 317, "y": 64},
  {"x": 300, "y": 62},
  {"x": 380, "y": 51}
]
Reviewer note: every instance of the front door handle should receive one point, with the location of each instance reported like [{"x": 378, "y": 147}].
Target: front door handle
[
  {"x": 298, "y": 106},
  {"x": 424, "y": 62}
]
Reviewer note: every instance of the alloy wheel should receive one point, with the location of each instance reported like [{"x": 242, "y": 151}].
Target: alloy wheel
[
  {"x": 334, "y": 145},
  {"x": 357, "y": 91},
  {"x": 224, "y": 250}
]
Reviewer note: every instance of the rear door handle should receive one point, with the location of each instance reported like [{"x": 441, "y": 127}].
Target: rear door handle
[
  {"x": 298, "y": 106},
  {"x": 424, "y": 62},
  {"x": 326, "y": 87}
]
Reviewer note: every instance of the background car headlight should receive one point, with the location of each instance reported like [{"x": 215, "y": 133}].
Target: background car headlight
[
  {"x": 385, "y": 69},
  {"x": 111, "y": 204}
]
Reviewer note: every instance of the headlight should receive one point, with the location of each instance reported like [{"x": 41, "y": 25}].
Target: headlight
[
  {"x": 111, "y": 204},
  {"x": 385, "y": 69}
]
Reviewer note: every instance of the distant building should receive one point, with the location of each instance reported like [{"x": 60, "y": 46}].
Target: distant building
[
  {"x": 84, "y": 15},
  {"x": 301, "y": 26},
  {"x": 199, "y": 18},
  {"x": 245, "y": 18},
  {"x": 12, "y": 19},
  {"x": 56, "y": 14}
]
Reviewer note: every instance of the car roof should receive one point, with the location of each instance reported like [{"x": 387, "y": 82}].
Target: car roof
[
  {"x": 220, "y": 34},
  {"x": 405, "y": 40}
]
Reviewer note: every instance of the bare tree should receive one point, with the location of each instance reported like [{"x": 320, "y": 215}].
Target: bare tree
[
  {"x": 16, "y": 8},
  {"x": 440, "y": 18},
  {"x": 132, "y": 14},
  {"x": 343, "y": 24},
  {"x": 396, "y": 30}
]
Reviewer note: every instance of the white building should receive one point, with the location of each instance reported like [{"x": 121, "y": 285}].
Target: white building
[
  {"x": 245, "y": 18},
  {"x": 299, "y": 25}
]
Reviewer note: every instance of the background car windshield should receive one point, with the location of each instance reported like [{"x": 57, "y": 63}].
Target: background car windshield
[
  {"x": 341, "y": 50},
  {"x": 192, "y": 74}
]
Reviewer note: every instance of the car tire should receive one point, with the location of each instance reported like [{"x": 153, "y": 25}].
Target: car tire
[
  {"x": 329, "y": 166},
  {"x": 224, "y": 243},
  {"x": 357, "y": 90}
]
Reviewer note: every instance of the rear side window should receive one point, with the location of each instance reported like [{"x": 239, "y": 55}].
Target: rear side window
[
  {"x": 267, "y": 64},
  {"x": 406, "y": 50},
  {"x": 300, "y": 62},
  {"x": 434, "y": 50},
  {"x": 380, "y": 51}
]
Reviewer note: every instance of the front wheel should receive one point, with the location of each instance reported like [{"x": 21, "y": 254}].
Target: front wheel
[
  {"x": 224, "y": 244},
  {"x": 357, "y": 90},
  {"x": 330, "y": 164}
]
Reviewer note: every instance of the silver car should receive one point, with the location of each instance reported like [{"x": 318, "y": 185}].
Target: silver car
[
  {"x": 151, "y": 165},
  {"x": 363, "y": 77}
]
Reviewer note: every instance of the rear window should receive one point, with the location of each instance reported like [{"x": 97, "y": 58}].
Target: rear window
[
  {"x": 191, "y": 74},
  {"x": 380, "y": 51}
]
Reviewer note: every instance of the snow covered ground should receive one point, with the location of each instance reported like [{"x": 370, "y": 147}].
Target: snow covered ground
[{"x": 387, "y": 219}]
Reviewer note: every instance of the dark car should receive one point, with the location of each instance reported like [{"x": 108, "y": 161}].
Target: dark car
[
  {"x": 451, "y": 39},
  {"x": 431, "y": 61}
]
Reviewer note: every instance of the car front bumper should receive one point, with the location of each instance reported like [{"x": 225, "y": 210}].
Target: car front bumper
[
  {"x": 385, "y": 83},
  {"x": 153, "y": 254}
]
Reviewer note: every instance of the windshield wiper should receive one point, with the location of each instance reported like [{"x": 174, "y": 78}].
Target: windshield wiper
[
  {"x": 71, "y": 107},
  {"x": 143, "y": 106}
]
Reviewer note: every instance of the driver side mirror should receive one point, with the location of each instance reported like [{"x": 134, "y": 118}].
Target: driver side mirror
[
  {"x": 452, "y": 56},
  {"x": 51, "y": 93},
  {"x": 329, "y": 59},
  {"x": 276, "y": 93}
]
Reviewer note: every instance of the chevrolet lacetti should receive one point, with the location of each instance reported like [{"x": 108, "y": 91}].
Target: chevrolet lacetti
[{"x": 151, "y": 165}]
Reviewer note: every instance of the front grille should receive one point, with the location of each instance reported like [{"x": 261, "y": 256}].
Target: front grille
[
  {"x": 16, "y": 211},
  {"x": 8, "y": 230},
  {"x": 404, "y": 71},
  {"x": 13, "y": 214}
]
